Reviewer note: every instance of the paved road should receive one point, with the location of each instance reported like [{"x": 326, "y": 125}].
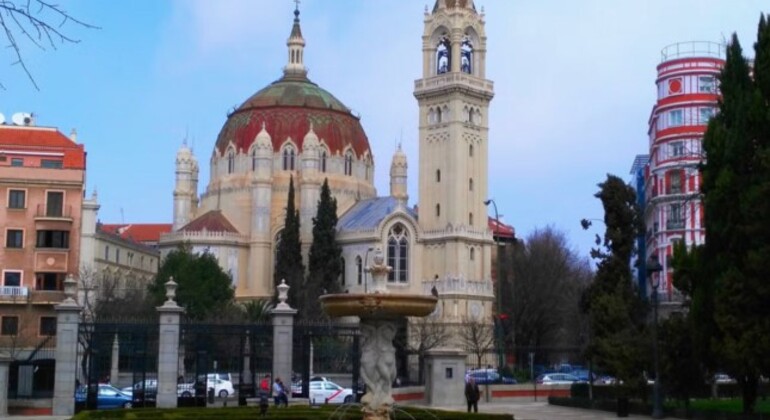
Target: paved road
[{"x": 543, "y": 411}]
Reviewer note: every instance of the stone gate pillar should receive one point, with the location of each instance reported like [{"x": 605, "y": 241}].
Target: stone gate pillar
[
  {"x": 444, "y": 377},
  {"x": 283, "y": 335},
  {"x": 5, "y": 363},
  {"x": 168, "y": 348},
  {"x": 67, "y": 321}
]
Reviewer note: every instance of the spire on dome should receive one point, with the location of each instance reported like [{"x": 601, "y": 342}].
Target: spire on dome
[{"x": 296, "y": 44}]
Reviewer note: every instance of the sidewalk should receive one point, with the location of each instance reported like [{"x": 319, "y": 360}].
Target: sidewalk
[{"x": 532, "y": 410}]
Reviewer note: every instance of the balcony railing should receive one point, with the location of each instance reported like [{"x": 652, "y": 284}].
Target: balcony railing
[
  {"x": 692, "y": 49},
  {"x": 46, "y": 213},
  {"x": 13, "y": 291},
  {"x": 675, "y": 224}
]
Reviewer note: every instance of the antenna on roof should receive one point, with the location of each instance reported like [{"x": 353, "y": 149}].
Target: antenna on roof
[{"x": 122, "y": 217}]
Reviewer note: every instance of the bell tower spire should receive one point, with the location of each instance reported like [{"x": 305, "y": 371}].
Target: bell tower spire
[{"x": 296, "y": 44}]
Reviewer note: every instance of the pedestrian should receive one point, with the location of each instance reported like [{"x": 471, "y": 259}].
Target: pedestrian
[
  {"x": 279, "y": 393},
  {"x": 264, "y": 395},
  {"x": 472, "y": 394}
]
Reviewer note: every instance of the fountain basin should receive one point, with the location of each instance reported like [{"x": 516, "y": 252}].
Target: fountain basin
[{"x": 377, "y": 305}]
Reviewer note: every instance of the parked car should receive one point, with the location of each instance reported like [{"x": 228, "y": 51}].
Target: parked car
[
  {"x": 150, "y": 387},
  {"x": 107, "y": 396},
  {"x": 329, "y": 392},
  {"x": 723, "y": 378},
  {"x": 556, "y": 379},
  {"x": 488, "y": 376},
  {"x": 222, "y": 388}
]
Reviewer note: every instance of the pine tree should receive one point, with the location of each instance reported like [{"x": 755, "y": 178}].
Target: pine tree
[
  {"x": 616, "y": 313},
  {"x": 288, "y": 264},
  {"x": 324, "y": 264}
]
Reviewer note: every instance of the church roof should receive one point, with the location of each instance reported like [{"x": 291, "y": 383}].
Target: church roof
[
  {"x": 367, "y": 214},
  {"x": 212, "y": 221},
  {"x": 140, "y": 232}
]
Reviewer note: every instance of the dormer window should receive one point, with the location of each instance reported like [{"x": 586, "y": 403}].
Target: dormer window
[
  {"x": 230, "y": 161},
  {"x": 349, "y": 163},
  {"x": 323, "y": 161},
  {"x": 288, "y": 158}
]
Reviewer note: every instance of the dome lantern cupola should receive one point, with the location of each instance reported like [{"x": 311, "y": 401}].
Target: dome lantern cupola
[{"x": 296, "y": 44}]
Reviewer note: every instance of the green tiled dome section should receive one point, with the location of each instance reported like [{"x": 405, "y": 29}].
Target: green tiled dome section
[{"x": 294, "y": 92}]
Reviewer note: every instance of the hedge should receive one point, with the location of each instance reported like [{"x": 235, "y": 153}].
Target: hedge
[{"x": 349, "y": 412}]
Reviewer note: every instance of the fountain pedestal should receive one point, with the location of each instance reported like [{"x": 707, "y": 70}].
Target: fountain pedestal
[{"x": 379, "y": 312}]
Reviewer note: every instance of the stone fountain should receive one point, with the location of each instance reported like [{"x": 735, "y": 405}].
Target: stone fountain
[{"x": 378, "y": 310}]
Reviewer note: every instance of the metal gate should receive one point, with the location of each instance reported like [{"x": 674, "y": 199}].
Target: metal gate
[
  {"x": 121, "y": 354},
  {"x": 329, "y": 350},
  {"x": 213, "y": 355}
]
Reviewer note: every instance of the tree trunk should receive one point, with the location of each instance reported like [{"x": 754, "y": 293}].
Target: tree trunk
[{"x": 749, "y": 390}]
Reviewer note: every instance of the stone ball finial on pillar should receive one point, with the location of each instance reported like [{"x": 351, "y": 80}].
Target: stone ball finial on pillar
[{"x": 283, "y": 295}]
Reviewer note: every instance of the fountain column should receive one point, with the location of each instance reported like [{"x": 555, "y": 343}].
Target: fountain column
[{"x": 379, "y": 312}]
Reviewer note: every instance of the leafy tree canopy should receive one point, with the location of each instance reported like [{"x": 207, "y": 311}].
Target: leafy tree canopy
[{"x": 204, "y": 288}]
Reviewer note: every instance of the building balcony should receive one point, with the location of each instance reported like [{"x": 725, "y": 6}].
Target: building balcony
[
  {"x": 45, "y": 214},
  {"x": 675, "y": 224},
  {"x": 13, "y": 292}
]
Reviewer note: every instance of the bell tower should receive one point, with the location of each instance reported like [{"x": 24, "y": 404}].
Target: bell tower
[{"x": 453, "y": 96}]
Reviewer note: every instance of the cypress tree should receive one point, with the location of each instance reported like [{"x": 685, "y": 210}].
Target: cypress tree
[
  {"x": 615, "y": 311},
  {"x": 324, "y": 265},
  {"x": 736, "y": 184},
  {"x": 288, "y": 263}
]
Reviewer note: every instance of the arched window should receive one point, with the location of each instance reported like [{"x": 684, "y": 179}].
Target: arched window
[
  {"x": 438, "y": 175},
  {"x": 438, "y": 115},
  {"x": 288, "y": 158},
  {"x": 254, "y": 159},
  {"x": 342, "y": 271},
  {"x": 443, "y": 55},
  {"x": 323, "y": 161},
  {"x": 473, "y": 252},
  {"x": 398, "y": 254},
  {"x": 470, "y": 219},
  {"x": 438, "y": 210},
  {"x": 470, "y": 150},
  {"x": 359, "y": 271},
  {"x": 466, "y": 56},
  {"x": 470, "y": 184},
  {"x": 349, "y": 163},
  {"x": 230, "y": 161}
]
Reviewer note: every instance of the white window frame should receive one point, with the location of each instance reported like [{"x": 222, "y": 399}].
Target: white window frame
[
  {"x": 8, "y": 196},
  {"x": 707, "y": 84},
  {"x": 676, "y": 121},
  {"x": 23, "y": 237},
  {"x": 21, "y": 277}
]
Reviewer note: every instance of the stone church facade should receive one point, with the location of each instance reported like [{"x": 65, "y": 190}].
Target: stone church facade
[{"x": 295, "y": 129}]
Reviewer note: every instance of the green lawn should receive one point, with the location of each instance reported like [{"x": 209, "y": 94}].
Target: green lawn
[{"x": 728, "y": 405}]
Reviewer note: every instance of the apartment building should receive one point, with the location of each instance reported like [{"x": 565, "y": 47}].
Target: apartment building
[{"x": 42, "y": 177}]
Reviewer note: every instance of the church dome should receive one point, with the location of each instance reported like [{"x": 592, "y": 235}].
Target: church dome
[{"x": 287, "y": 107}]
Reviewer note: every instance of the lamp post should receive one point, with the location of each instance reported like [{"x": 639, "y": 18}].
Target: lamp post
[
  {"x": 653, "y": 267},
  {"x": 498, "y": 323}
]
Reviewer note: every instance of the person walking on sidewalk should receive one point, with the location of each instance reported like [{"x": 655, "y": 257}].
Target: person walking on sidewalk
[{"x": 472, "y": 395}]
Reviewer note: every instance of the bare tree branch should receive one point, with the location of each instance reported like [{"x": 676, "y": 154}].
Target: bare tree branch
[{"x": 33, "y": 21}]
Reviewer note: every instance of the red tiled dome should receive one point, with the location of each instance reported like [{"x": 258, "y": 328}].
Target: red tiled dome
[{"x": 287, "y": 107}]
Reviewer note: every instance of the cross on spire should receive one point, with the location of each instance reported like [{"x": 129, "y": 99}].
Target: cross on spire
[{"x": 296, "y": 2}]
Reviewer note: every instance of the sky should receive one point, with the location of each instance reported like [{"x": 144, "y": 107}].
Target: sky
[{"x": 574, "y": 87}]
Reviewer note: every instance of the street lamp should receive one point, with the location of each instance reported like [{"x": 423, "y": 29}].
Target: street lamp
[
  {"x": 653, "y": 267},
  {"x": 497, "y": 286}
]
